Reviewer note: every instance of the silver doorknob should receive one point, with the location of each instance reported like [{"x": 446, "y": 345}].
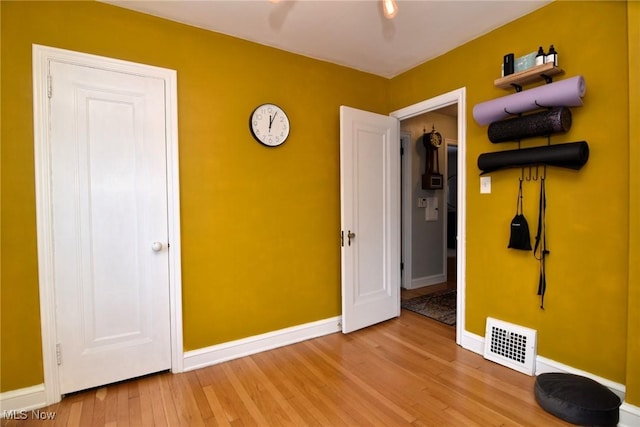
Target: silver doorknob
[
  {"x": 350, "y": 235},
  {"x": 156, "y": 246}
]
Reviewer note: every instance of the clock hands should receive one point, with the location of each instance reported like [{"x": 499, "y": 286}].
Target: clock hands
[{"x": 271, "y": 120}]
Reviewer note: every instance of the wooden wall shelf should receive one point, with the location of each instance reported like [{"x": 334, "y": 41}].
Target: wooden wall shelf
[{"x": 517, "y": 80}]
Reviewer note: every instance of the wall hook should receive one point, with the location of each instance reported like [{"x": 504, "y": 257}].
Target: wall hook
[
  {"x": 541, "y": 106},
  {"x": 510, "y": 113}
]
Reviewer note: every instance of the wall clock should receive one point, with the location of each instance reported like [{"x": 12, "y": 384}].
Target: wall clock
[
  {"x": 269, "y": 125},
  {"x": 432, "y": 179},
  {"x": 435, "y": 138}
]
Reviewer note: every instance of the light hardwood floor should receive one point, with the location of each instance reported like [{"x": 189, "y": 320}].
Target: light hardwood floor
[{"x": 404, "y": 372}]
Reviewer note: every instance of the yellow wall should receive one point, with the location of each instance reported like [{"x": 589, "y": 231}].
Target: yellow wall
[
  {"x": 260, "y": 226},
  {"x": 633, "y": 333},
  {"x": 584, "y": 323}
]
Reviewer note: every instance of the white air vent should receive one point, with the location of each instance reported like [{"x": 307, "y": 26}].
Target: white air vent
[{"x": 510, "y": 345}]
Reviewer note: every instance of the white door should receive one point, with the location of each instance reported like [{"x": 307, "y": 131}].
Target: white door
[
  {"x": 109, "y": 208},
  {"x": 370, "y": 216}
]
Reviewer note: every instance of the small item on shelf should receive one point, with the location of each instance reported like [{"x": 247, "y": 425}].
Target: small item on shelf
[
  {"x": 524, "y": 62},
  {"x": 552, "y": 56},
  {"x": 508, "y": 64},
  {"x": 541, "y": 56}
]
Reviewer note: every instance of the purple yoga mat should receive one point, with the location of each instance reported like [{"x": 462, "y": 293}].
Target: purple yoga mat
[{"x": 563, "y": 93}]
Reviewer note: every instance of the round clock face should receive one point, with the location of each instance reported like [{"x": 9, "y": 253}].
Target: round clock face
[
  {"x": 269, "y": 125},
  {"x": 436, "y": 139}
]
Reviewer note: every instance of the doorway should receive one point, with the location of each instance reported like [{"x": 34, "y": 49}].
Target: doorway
[
  {"x": 422, "y": 116},
  {"x": 107, "y": 219}
]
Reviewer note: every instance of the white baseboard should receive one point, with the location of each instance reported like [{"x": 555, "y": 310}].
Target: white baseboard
[
  {"x": 547, "y": 365},
  {"x": 421, "y": 282},
  {"x": 473, "y": 342},
  {"x": 629, "y": 414},
  {"x": 208, "y": 356},
  {"x": 24, "y": 399}
]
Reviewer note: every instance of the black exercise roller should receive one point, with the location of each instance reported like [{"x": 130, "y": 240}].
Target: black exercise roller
[
  {"x": 572, "y": 155},
  {"x": 549, "y": 122}
]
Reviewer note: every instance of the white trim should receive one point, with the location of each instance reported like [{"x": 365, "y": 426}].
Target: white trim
[
  {"x": 459, "y": 97},
  {"x": 544, "y": 365},
  {"x": 219, "y": 353},
  {"x": 421, "y": 282},
  {"x": 473, "y": 342},
  {"x": 407, "y": 205},
  {"x": 24, "y": 399},
  {"x": 42, "y": 56},
  {"x": 629, "y": 414}
]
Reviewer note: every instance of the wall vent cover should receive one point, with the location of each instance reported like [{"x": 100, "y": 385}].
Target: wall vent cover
[{"x": 510, "y": 345}]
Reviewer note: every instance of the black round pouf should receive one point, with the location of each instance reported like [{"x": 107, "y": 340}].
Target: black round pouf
[{"x": 578, "y": 400}]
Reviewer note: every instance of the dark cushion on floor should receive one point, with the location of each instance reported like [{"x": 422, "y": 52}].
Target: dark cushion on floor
[{"x": 578, "y": 400}]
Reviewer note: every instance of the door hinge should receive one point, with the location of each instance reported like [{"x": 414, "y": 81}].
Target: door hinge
[
  {"x": 401, "y": 266},
  {"x": 401, "y": 150},
  {"x": 58, "y": 354},
  {"x": 49, "y": 86},
  {"x": 342, "y": 238}
]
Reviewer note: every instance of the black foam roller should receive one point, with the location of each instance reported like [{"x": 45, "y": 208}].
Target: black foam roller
[
  {"x": 572, "y": 155},
  {"x": 555, "y": 120}
]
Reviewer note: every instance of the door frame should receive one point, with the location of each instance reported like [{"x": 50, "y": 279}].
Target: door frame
[
  {"x": 406, "y": 202},
  {"x": 458, "y": 96},
  {"x": 42, "y": 55}
]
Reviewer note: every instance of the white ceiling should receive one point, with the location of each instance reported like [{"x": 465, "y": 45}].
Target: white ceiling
[{"x": 351, "y": 33}]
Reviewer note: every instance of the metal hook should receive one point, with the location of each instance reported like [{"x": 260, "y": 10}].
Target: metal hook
[
  {"x": 541, "y": 106},
  {"x": 510, "y": 113},
  {"x": 528, "y": 178}
]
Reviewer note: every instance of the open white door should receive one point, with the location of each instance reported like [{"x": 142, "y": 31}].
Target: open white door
[{"x": 370, "y": 217}]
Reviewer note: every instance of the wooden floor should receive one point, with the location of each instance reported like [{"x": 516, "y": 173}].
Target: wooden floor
[
  {"x": 404, "y": 372},
  {"x": 451, "y": 283}
]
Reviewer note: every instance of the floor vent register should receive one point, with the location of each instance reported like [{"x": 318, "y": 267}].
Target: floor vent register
[{"x": 510, "y": 345}]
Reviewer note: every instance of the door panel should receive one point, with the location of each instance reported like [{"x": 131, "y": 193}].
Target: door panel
[
  {"x": 370, "y": 213},
  {"x": 109, "y": 200}
]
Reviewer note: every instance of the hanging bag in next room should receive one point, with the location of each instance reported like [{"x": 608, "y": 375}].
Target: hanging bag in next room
[{"x": 520, "y": 237}]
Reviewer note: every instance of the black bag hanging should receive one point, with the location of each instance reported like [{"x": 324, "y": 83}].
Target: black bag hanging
[
  {"x": 520, "y": 237},
  {"x": 541, "y": 243}
]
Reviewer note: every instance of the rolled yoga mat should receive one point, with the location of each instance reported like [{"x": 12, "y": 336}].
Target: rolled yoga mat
[
  {"x": 572, "y": 155},
  {"x": 555, "y": 120},
  {"x": 563, "y": 93}
]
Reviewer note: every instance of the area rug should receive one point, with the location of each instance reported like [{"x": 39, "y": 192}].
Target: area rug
[{"x": 440, "y": 306}]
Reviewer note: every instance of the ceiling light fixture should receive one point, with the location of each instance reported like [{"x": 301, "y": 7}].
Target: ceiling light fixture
[{"x": 390, "y": 8}]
